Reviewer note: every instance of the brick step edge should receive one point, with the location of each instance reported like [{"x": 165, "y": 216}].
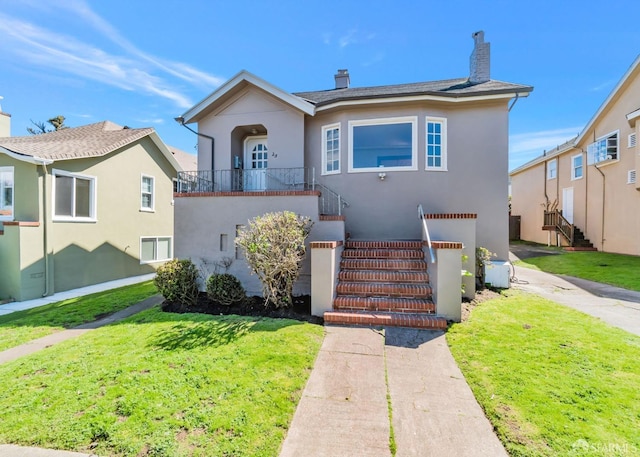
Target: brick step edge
[
  {"x": 388, "y": 304},
  {"x": 412, "y": 244},
  {"x": 386, "y": 276},
  {"x": 383, "y": 319},
  {"x": 387, "y": 264},
  {"x": 382, "y": 254},
  {"x": 376, "y": 289}
]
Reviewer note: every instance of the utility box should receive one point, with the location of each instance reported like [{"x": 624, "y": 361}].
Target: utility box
[{"x": 496, "y": 273}]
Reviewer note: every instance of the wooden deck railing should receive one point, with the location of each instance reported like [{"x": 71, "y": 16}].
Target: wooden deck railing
[{"x": 561, "y": 224}]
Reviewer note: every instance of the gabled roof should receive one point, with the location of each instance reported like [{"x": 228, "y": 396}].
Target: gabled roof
[
  {"x": 309, "y": 102},
  {"x": 576, "y": 140},
  {"x": 188, "y": 162},
  {"x": 449, "y": 88},
  {"x": 93, "y": 140},
  {"x": 243, "y": 78}
]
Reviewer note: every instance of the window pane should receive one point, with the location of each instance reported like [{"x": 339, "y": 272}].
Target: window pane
[
  {"x": 64, "y": 191},
  {"x": 83, "y": 198},
  {"x": 147, "y": 251},
  {"x": 382, "y": 145},
  {"x": 6, "y": 193},
  {"x": 164, "y": 248},
  {"x": 147, "y": 184}
]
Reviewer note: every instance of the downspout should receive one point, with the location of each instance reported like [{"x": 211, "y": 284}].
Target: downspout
[
  {"x": 514, "y": 101},
  {"x": 180, "y": 120},
  {"x": 45, "y": 234},
  {"x": 603, "y": 203}
]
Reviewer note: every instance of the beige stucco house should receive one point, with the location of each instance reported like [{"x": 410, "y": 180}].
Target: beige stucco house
[
  {"x": 81, "y": 206},
  {"x": 359, "y": 161},
  {"x": 587, "y": 187}
]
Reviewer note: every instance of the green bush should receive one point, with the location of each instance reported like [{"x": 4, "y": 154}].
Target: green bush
[
  {"x": 177, "y": 281},
  {"x": 274, "y": 248},
  {"x": 225, "y": 289}
]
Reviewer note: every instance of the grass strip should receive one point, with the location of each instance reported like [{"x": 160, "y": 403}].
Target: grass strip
[
  {"x": 615, "y": 269},
  {"x": 553, "y": 381},
  {"x": 162, "y": 384},
  {"x": 22, "y": 326},
  {"x": 392, "y": 436}
]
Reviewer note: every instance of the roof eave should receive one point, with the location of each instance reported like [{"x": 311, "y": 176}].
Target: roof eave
[
  {"x": 433, "y": 96},
  {"x": 192, "y": 114},
  {"x": 26, "y": 158},
  {"x": 543, "y": 158}
]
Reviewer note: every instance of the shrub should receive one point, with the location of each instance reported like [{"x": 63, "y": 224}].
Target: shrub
[
  {"x": 225, "y": 289},
  {"x": 274, "y": 248},
  {"x": 177, "y": 281}
]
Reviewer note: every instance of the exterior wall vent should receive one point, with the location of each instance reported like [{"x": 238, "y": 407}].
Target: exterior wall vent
[
  {"x": 631, "y": 177},
  {"x": 632, "y": 140}
]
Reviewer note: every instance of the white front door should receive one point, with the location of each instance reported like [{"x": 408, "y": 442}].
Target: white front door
[
  {"x": 567, "y": 204},
  {"x": 256, "y": 155}
]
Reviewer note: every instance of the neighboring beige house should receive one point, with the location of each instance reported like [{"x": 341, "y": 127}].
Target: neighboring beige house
[
  {"x": 359, "y": 162},
  {"x": 82, "y": 206},
  {"x": 587, "y": 187}
]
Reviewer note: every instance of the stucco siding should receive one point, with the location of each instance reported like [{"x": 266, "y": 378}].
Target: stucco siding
[
  {"x": 252, "y": 108},
  {"x": 206, "y": 228},
  {"x": 475, "y": 180}
]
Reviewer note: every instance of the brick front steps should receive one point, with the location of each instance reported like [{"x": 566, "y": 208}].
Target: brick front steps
[{"x": 384, "y": 283}]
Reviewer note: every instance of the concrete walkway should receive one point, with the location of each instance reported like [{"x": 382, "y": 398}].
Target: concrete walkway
[
  {"x": 49, "y": 340},
  {"x": 67, "y": 294},
  {"x": 614, "y": 305},
  {"x": 344, "y": 409}
]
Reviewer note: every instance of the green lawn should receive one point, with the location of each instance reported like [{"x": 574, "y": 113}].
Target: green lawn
[
  {"x": 615, "y": 269},
  {"x": 552, "y": 381},
  {"x": 162, "y": 384},
  {"x": 22, "y": 326}
]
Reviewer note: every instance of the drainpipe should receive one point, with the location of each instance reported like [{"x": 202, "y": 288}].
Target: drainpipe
[
  {"x": 45, "y": 234},
  {"x": 180, "y": 120},
  {"x": 603, "y": 202},
  {"x": 514, "y": 101}
]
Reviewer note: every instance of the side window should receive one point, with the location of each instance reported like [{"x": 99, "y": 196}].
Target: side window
[
  {"x": 6, "y": 193},
  {"x": 155, "y": 249},
  {"x": 436, "y": 158},
  {"x": 147, "y": 194},
  {"x": 74, "y": 197},
  {"x": 331, "y": 149}
]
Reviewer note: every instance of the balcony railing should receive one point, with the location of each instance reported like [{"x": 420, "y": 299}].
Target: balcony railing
[{"x": 260, "y": 180}]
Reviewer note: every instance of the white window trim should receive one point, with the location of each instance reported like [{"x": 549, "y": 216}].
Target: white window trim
[
  {"x": 602, "y": 163},
  {"x": 93, "y": 201},
  {"x": 383, "y": 121},
  {"x": 631, "y": 140},
  {"x": 153, "y": 194},
  {"x": 325, "y": 128},
  {"x": 155, "y": 238},
  {"x": 573, "y": 167},
  {"x": 443, "y": 121},
  {"x": 549, "y": 177},
  {"x": 10, "y": 217}
]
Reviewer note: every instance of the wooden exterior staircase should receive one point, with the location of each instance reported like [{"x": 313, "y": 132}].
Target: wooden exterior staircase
[
  {"x": 555, "y": 221},
  {"x": 384, "y": 283}
]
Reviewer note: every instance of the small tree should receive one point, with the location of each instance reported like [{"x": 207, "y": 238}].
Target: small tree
[
  {"x": 274, "y": 248},
  {"x": 56, "y": 122},
  {"x": 177, "y": 281}
]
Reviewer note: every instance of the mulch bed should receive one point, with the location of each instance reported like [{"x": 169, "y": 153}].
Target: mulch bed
[
  {"x": 481, "y": 296},
  {"x": 253, "y": 306}
]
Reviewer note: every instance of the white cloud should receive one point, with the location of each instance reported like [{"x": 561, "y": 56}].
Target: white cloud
[
  {"x": 605, "y": 85},
  {"x": 132, "y": 70},
  {"x": 527, "y": 146}
]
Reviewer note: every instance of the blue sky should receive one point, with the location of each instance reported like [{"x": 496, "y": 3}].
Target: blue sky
[{"x": 142, "y": 63}]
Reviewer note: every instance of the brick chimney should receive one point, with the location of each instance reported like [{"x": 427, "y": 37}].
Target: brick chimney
[
  {"x": 5, "y": 123},
  {"x": 480, "y": 61},
  {"x": 342, "y": 79}
]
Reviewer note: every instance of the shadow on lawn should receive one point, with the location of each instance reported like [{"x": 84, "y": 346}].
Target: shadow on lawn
[{"x": 189, "y": 335}]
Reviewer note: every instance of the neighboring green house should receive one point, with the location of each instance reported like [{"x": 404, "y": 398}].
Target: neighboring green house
[{"x": 82, "y": 206}]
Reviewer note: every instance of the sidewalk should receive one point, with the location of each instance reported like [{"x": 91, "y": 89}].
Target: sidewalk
[
  {"x": 67, "y": 294},
  {"x": 614, "y": 305},
  {"x": 344, "y": 409}
]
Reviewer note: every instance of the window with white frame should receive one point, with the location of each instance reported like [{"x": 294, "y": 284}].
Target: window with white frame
[
  {"x": 147, "y": 193},
  {"x": 436, "y": 158},
  {"x": 74, "y": 197},
  {"x": 631, "y": 140},
  {"x": 576, "y": 167},
  {"x": 155, "y": 249},
  {"x": 604, "y": 148},
  {"x": 331, "y": 149},
  {"x": 552, "y": 169},
  {"x": 6, "y": 193},
  {"x": 388, "y": 143}
]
